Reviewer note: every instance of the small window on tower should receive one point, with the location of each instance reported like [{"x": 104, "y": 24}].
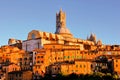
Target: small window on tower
[{"x": 33, "y": 36}]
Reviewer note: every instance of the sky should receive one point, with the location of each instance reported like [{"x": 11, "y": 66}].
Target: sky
[{"x": 83, "y": 17}]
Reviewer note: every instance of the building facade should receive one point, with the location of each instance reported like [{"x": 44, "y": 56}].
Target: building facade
[{"x": 60, "y": 52}]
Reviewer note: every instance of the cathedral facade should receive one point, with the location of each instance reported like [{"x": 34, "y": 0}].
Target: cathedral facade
[{"x": 36, "y": 39}]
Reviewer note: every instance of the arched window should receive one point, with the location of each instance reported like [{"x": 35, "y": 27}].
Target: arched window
[{"x": 33, "y": 36}]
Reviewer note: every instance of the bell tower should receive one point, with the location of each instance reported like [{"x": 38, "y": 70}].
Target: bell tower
[
  {"x": 61, "y": 24},
  {"x": 60, "y": 19}
]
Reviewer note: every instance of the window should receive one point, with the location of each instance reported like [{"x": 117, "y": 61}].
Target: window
[
  {"x": 38, "y": 67},
  {"x": 58, "y": 68},
  {"x": 55, "y": 68},
  {"x": 58, "y": 58},
  {"x": 55, "y": 58},
  {"x": 41, "y": 56},
  {"x": 20, "y": 75},
  {"x": 91, "y": 66},
  {"x": 41, "y": 61},
  {"x": 104, "y": 64},
  {"x": 38, "y": 61},
  {"x": 68, "y": 57},
  {"x": 116, "y": 65},
  {"x": 77, "y": 52},
  {"x": 20, "y": 59},
  {"x": 38, "y": 57},
  {"x": 30, "y": 58},
  {"x": 84, "y": 66},
  {"x": 33, "y": 36},
  {"x": 53, "y": 46},
  {"x": 16, "y": 75},
  {"x": 20, "y": 63},
  {"x": 76, "y": 66},
  {"x": 7, "y": 60},
  {"x": 25, "y": 58},
  {"x": 80, "y": 66},
  {"x": 25, "y": 63}
]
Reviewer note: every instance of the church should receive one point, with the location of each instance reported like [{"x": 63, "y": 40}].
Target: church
[{"x": 36, "y": 39}]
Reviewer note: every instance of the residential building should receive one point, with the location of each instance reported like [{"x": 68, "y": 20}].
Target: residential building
[{"x": 20, "y": 75}]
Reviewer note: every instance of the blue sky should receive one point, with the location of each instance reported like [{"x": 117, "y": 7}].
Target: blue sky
[{"x": 19, "y": 17}]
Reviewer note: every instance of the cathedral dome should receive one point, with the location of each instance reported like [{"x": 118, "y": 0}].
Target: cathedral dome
[{"x": 63, "y": 30}]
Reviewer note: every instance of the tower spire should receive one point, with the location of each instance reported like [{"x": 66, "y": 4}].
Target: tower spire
[{"x": 60, "y": 9}]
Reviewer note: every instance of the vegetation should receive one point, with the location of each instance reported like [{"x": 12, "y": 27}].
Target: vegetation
[{"x": 73, "y": 76}]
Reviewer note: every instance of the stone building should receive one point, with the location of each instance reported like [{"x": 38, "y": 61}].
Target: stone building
[
  {"x": 36, "y": 39},
  {"x": 59, "y": 52},
  {"x": 61, "y": 46},
  {"x": 20, "y": 75},
  {"x": 15, "y": 43},
  {"x": 78, "y": 66},
  {"x": 10, "y": 54}
]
